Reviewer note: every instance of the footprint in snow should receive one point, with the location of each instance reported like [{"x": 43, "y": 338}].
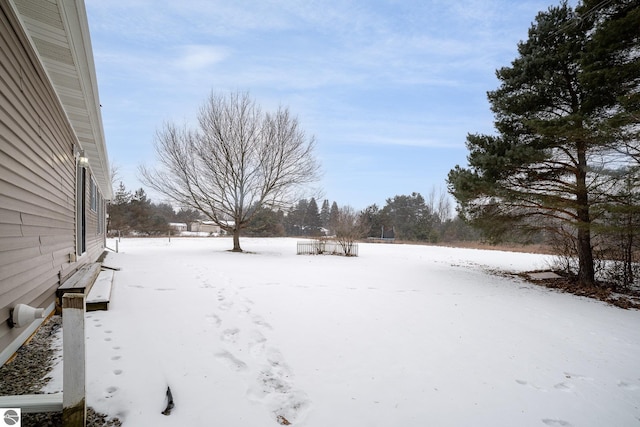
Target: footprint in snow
[
  {"x": 225, "y": 305},
  {"x": 533, "y": 386},
  {"x": 275, "y": 389},
  {"x": 256, "y": 343},
  {"x": 110, "y": 391},
  {"x": 564, "y": 386},
  {"x": 230, "y": 335},
  {"x": 577, "y": 376},
  {"x": 628, "y": 386},
  {"x": 259, "y": 320},
  {"x": 214, "y": 319},
  {"x": 244, "y": 310},
  {"x": 555, "y": 423},
  {"x": 231, "y": 361}
]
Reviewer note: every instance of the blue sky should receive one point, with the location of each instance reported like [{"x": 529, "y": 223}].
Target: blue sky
[{"x": 389, "y": 88}]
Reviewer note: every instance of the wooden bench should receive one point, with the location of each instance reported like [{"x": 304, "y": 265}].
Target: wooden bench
[
  {"x": 33, "y": 403},
  {"x": 80, "y": 282},
  {"x": 100, "y": 294}
]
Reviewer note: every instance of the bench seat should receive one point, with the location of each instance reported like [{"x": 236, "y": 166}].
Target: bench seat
[{"x": 100, "y": 294}]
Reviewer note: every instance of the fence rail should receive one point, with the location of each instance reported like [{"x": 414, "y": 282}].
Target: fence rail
[{"x": 327, "y": 247}]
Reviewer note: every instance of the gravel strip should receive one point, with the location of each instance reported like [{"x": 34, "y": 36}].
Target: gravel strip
[{"x": 29, "y": 371}]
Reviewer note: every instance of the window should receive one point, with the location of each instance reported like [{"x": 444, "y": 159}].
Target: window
[
  {"x": 100, "y": 214},
  {"x": 94, "y": 196},
  {"x": 81, "y": 217}
]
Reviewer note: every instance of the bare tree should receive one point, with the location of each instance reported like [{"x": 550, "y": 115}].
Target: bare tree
[
  {"x": 439, "y": 204},
  {"x": 349, "y": 227},
  {"x": 115, "y": 174},
  {"x": 238, "y": 160}
]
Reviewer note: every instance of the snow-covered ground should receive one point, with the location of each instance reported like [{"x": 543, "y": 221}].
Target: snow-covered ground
[{"x": 400, "y": 336}]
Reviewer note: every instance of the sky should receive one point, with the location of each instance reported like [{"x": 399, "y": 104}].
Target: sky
[{"x": 389, "y": 89}]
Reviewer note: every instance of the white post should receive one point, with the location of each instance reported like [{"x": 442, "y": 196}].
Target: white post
[{"x": 74, "y": 409}]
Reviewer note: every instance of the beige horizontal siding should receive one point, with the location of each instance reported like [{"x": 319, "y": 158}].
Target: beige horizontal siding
[{"x": 37, "y": 181}]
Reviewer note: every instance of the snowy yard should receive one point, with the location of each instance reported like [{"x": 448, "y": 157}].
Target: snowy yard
[{"x": 400, "y": 336}]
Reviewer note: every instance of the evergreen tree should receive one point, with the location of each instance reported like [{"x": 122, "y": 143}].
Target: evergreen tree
[
  {"x": 312, "y": 223},
  {"x": 334, "y": 215},
  {"x": 372, "y": 217},
  {"x": 296, "y": 219},
  {"x": 118, "y": 210},
  {"x": 410, "y": 217},
  {"x": 142, "y": 217},
  {"x": 325, "y": 214},
  {"x": 555, "y": 127},
  {"x": 266, "y": 223},
  {"x": 611, "y": 69},
  {"x": 164, "y": 211},
  {"x": 187, "y": 215}
]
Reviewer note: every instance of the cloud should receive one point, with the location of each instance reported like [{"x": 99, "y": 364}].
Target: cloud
[
  {"x": 400, "y": 141},
  {"x": 198, "y": 57}
]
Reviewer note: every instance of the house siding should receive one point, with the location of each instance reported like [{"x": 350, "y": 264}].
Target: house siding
[{"x": 37, "y": 182}]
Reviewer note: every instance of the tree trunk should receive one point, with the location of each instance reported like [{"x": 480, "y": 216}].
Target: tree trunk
[
  {"x": 586, "y": 272},
  {"x": 236, "y": 240},
  {"x": 628, "y": 252}
]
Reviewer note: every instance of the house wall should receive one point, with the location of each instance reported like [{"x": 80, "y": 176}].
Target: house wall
[
  {"x": 37, "y": 183},
  {"x": 203, "y": 227}
]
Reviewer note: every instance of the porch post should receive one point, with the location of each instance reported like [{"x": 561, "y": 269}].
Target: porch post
[{"x": 74, "y": 409}]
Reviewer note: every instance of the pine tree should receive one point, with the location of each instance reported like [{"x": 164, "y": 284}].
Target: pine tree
[
  {"x": 555, "y": 128},
  {"x": 409, "y": 217},
  {"x": 334, "y": 215},
  {"x": 325, "y": 214},
  {"x": 611, "y": 70},
  {"x": 187, "y": 215},
  {"x": 140, "y": 218},
  {"x": 312, "y": 219},
  {"x": 296, "y": 219},
  {"x": 118, "y": 210},
  {"x": 266, "y": 223}
]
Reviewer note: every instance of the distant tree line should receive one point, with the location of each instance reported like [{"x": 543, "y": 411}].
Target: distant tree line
[
  {"x": 134, "y": 213},
  {"x": 414, "y": 218},
  {"x": 403, "y": 217}
]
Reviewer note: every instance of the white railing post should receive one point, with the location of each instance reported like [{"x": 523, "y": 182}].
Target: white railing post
[{"x": 74, "y": 409}]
